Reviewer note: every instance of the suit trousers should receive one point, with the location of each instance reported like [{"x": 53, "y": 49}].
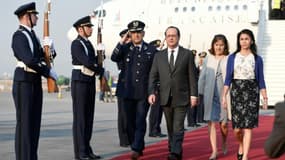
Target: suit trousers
[
  {"x": 136, "y": 111},
  {"x": 83, "y": 99},
  {"x": 122, "y": 123},
  {"x": 155, "y": 117},
  {"x": 192, "y": 115},
  {"x": 28, "y": 101},
  {"x": 175, "y": 116}
]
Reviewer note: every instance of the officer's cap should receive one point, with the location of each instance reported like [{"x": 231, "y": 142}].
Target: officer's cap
[
  {"x": 123, "y": 32},
  {"x": 202, "y": 54},
  {"x": 194, "y": 51},
  {"x": 26, "y": 8},
  {"x": 84, "y": 21},
  {"x": 155, "y": 43},
  {"x": 136, "y": 26}
]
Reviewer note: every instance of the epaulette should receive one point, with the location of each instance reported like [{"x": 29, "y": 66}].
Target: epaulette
[{"x": 20, "y": 29}]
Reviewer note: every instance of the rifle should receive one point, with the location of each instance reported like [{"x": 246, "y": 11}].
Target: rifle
[
  {"x": 101, "y": 55},
  {"x": 51, "y": 83}
]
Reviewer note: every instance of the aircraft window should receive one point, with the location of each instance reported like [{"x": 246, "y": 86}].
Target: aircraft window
[
  {"x": 244, "y": 7},
  {"x": 163, "y": 1},
  {"x": 184, "y": 9},
  {"x": 193, "y": 9},
  {"x": 210, "y": 8},
  {"x": 236, "y": 7},
  {"x": 218, "y": 8},
  {"x": 176, "y": 9},
  {"x": 227, "y": 7}
]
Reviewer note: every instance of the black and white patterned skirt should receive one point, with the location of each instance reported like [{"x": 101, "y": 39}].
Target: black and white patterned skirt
[{"x": 245, "y": 103}]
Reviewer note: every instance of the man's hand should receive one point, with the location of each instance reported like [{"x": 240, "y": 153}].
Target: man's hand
[
  {"x": 47, "y": 41},
  {"x": 194, "y": 101},
  {"x": 125, "y": 38},
  {"x": 53, "y": 74},
  {"x": 151, "y": 99}
]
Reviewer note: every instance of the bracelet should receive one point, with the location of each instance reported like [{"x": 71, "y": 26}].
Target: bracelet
[{"x": 265, "y": 98}]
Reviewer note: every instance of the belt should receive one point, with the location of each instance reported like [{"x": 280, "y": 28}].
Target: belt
[
  {"x": 21, "y": 64},
  {"x": 84, "y": 70}
]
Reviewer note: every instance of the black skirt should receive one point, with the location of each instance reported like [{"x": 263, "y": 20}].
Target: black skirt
[{"x": 245, "y": 103}]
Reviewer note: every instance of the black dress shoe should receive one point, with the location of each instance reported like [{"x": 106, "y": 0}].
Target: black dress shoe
[
  {"x": 173, "y": 156},
  {"x": 124, "y": 145},
  {"x": 84, "y": 158},
  {"x": 158, "y": 135},
  {"x": 197, "y": 125},
  {"x": 191, "y": 125},
  {"x": 135, "y": 155},
  {"x": 161, "y": 135},
  {"x": 94, "y": 156}
]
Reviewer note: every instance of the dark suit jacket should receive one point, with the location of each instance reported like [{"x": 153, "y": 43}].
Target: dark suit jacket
[
  {"x": 181, "y": 83},
  {"x": 275, "y": 144}
]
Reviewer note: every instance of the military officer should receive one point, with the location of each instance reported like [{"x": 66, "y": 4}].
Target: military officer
[
  {"x": 27, "y": 84},
  {"x": 122, "y": 117},
  {"x": 155, "y": 114},
  {"x": 136, "y": 58},
  {"x": 83, "y": 87}
]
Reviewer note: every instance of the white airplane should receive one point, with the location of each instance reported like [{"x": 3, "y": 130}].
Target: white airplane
[{"x": 198, "y": 21}]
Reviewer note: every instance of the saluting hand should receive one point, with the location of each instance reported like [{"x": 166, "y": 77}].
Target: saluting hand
[{"x": 125, "y": 38}]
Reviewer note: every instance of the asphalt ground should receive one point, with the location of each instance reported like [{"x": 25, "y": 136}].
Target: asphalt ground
[{"x": 56, "y": 129}]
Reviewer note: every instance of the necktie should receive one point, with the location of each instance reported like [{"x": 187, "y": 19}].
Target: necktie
[
  {"x": 171, "y": 62},
  {"x": 137, "y": 48}
]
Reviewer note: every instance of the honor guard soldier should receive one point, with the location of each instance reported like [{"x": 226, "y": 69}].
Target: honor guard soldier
[
  {"x": 155, "y": 114},
  {"x": 136, "y": 59},
  {"x": 122, "y": 117},
  {"x": 85, "y": 67},
  {"x": 27, "y": 84}
]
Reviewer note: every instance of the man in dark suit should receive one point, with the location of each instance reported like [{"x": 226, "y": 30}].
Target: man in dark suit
[
  {"x": 275, "y": 144},
  {"x": 85, "y": 67},
  {"x": 136, "y": 59},
  {"x": 174, "y": 68},
  {"x": 27, "y": 84}
]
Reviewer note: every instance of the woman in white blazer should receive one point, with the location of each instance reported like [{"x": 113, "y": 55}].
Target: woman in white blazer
[{"x": 211, "y": 81}]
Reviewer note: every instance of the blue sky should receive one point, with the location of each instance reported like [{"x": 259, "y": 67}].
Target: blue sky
[{"x": 64, "y": 13}]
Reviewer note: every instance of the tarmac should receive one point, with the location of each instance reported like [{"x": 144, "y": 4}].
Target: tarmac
[{"x": 56, "y": 129}]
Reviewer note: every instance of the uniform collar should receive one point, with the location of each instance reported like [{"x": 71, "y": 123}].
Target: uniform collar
[{"x": 26, "y": 27}]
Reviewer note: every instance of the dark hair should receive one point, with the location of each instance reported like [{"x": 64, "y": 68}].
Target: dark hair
[
  {"x": 225, "y": 41},
  {"x": 178, "y": 32},
  {"x": 252, "y": 45}
]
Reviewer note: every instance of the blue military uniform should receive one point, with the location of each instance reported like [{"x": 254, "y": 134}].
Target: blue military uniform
[
  {"x": 155, "y": 115},
  {"x": 27, "y": 87},
  {"x": 122, "y": 117},
  {"x": 135, "y": 66},
  {"x": 83, "y": 86}
]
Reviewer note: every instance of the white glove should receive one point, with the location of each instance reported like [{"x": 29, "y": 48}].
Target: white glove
[
  {"x": 48, "y": 42},
  {"x": 53, "y": 74}
]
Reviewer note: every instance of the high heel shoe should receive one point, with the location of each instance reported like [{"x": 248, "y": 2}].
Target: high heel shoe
[
  {"x": 224, "y": 148},
  {"x": 214, "y": 156},
  {"x": 239, "y": 156}
]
